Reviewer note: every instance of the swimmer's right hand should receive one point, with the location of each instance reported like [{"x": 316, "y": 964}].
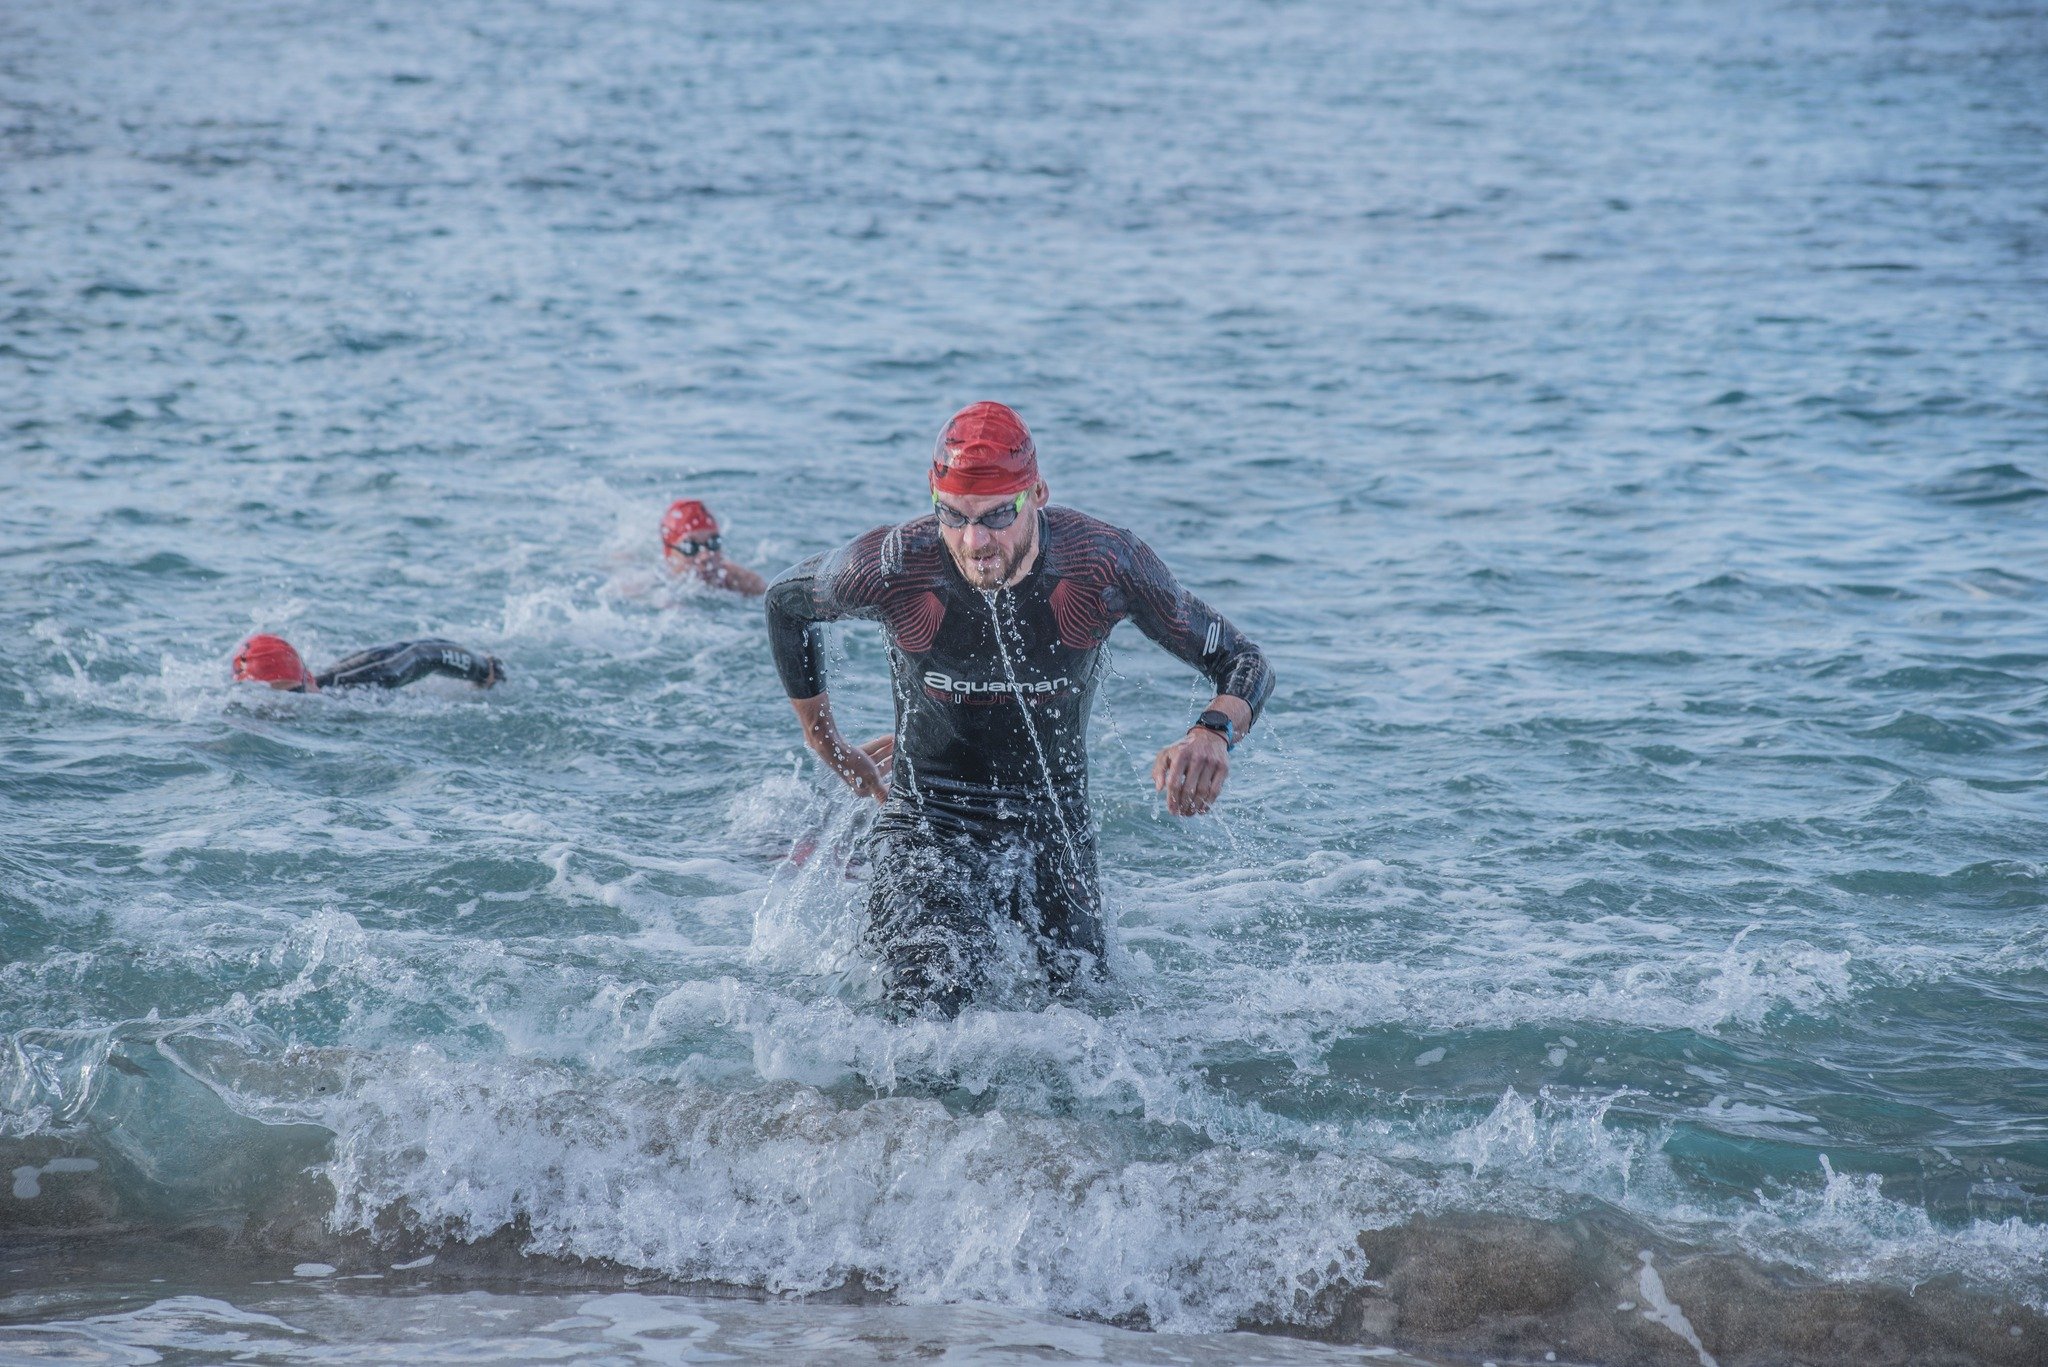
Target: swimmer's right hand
[
  {"x": 882, "y": 750},
  {"x": 863, "y": 774},
  {"x": 855, "y": 765}
]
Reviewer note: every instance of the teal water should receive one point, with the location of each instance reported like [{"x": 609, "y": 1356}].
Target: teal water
[{"x": 1623, "y": 428}]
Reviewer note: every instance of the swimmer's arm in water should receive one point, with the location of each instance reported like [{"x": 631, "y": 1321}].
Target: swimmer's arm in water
[
  {"x": 720, "y": 573},
  {"x": 404, "y": 662},
  {"x": 826, "y": 588},
  {"x": 860, "y": 767},
  {"x": 1191, "y": 770}
]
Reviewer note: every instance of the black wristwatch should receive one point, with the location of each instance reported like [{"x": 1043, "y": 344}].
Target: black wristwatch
[{"x": 1221, "y": 724}]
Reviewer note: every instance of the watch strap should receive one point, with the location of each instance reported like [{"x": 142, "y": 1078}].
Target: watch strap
[{"x": 1218, "y": 721}]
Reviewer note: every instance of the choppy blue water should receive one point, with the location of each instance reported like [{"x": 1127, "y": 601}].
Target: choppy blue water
[{"x": 1623, "y": 427}]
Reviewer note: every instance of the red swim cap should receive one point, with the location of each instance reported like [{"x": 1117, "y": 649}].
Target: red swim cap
[
  {"x": 984, "y": 449},
  {"x": 685, "y": 517},
  {"x": 270, "y": 659}
]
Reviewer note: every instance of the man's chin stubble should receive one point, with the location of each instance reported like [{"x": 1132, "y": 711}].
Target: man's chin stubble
[
  {"x": 1000, "y": 569},
  {"x": 981, "y": 573}
]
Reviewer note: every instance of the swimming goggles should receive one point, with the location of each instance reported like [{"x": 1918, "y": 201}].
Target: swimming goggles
[
  {"x": 995, "y": 519},
  {"x": 688, "y": 546}
]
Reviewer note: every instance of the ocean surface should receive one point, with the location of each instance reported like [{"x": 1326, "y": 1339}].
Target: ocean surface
[{"x": 1624, "y": 427}]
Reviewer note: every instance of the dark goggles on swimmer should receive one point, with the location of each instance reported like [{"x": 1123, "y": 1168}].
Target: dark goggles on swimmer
[
  {"x": 995, "y": 519},
  {"x": 690, "y": 545}
]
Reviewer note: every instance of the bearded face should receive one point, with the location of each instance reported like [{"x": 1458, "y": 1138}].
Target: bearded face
[{"x": 992, "y": 558}]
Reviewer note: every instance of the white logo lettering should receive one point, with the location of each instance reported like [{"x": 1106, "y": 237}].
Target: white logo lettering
[{"x": 946, "y": 683}]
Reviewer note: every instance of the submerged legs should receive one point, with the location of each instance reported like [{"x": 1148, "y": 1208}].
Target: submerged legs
[{"x": 934, "y": 903}]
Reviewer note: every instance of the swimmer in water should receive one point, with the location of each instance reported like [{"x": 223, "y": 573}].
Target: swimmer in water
[
  {"x": 996, "y": 608},
  {"x": 271, "y": 660},
  {"x": 690, "y": 545}
]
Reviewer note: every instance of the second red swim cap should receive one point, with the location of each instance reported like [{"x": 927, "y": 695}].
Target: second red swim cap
[
  {"x": 685, "y": 517},
  {"x": 984, "y": 449},
  {"x": 270, "y": 659}
]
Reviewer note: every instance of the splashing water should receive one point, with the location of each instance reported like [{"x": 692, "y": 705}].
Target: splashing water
[{"x": 994, "y": 597}]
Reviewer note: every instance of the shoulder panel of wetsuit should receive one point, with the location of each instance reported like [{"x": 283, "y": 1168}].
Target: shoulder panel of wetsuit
[
  {"x": 847, "y": 582},
  {"x": 1083, "y": 549}
]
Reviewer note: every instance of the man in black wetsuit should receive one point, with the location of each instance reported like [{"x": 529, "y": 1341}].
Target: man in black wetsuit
[
  {"x": 996, "y": 608},
  {"x": 271, "y": 660}
]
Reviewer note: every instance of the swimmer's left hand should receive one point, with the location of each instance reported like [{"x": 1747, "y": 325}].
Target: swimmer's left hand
[{"x": 1191, "y": 772}]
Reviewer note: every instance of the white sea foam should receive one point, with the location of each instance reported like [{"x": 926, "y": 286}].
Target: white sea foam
[
  {"x": 28, "y": 1178},
  {"x": 1848, "y": 1228},
  {"x": 784, "y": 1189},
  {"x": 1661, "y": 1309}
]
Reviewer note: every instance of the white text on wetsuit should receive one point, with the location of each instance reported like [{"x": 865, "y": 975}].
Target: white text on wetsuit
[{"x": 946, "y": 683}]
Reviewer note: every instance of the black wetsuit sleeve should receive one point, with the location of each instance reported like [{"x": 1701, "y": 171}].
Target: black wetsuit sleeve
[
  {"x": 825, "y": 588},
  {"x": 1191, "y": 630},
  {"x": 404, "y": 662}
]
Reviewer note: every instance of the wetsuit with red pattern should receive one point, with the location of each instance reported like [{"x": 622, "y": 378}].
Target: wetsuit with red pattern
[{"x": 992, "y": 693}]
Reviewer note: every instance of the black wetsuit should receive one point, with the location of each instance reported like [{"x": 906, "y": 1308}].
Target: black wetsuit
[
  {"x": 989, "y": 800},
  {"x": 404, "y": 662}
]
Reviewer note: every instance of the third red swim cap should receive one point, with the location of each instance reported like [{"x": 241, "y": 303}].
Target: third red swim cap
[
  {"x": 270, "y": 659},
  {"x": 686, "y": 517},
  {"x": 984, "y": 449}
]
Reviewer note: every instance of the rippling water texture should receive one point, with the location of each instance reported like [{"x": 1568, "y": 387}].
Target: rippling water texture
[{"x": 1623, "y": 426}]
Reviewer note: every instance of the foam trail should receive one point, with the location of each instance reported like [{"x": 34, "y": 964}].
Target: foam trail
[{"x": 1661, "y": 1309}]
